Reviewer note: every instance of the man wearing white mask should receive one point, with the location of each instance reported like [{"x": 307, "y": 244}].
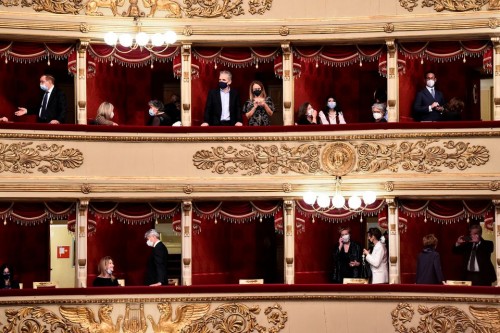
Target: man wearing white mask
[
  {"x": 156, "y": 271},
  {"x": 53, "y": 106},
  {"x": 429, "y": 102},
  {"x": 346, "y": 257}
]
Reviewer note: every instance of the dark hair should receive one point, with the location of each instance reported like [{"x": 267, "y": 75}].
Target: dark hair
[
  {"x": 455, "y": 105},
  {"x": 375, "y": 232},
  {"x": 326, "y": 108},
  {"x": 380, "y": 95},
  {"x": 429, "y": 72},
  {"x": 476, "y": 227},
  {"x": 157, "y": 104},
  {"x": 11, "y": 270},
  {"x": 430, "y": 241},
  {"x": 303, "y": 109}
]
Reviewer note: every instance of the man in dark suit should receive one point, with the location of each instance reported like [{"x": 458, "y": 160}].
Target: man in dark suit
[
  {"x": 429, "y": 102},
  {"x": 223, "y": 105},
  {"x": 53, "y": 107},
  {"x": 477, "y": 257},
  {"x": 156, "y": 272}
]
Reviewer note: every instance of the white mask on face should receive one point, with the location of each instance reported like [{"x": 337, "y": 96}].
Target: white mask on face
[
  {"x": 109, "y": 271},
  {"x": 332, "y": 105},
  {"x": 430, "y": 83},
  {"x": 149, "y": 243},
  {"x": 44, "y": 88},
  {"x": 151, "y": 112},
  {"x": 377, "y": 115},
  {"x": 346, "y": 238}
]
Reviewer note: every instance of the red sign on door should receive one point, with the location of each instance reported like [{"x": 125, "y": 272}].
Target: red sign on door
[{"x": 63, "y": 252}]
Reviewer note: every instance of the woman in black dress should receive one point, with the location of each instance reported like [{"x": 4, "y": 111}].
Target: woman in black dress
[{"x": 105, "y": 277}]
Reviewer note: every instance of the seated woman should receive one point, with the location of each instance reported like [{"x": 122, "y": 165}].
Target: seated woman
[
  {"x": 7, "y": 281},
  {"x": 259, "y": 107},
  {"x": 105, "y": 114},
  {"x": 331, "y": 114},
  {"x": 307, "y": 115},
  {"x": 378, "y": 111},
  {"x": 105, "y": 277},
  {"x": 158, "y": 116},
  {"x": 453, "y": 110}
]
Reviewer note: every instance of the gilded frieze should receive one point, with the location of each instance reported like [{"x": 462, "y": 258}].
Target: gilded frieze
[
  {"x": 423, "y": 156},
  {"x": 57, "y": 7},
  {"x": 213, "y": 8},
  {"x": 187, "y": 318},
  {"x": 23, "y": 158},
  {"x": 446, "y": 319},
  {"x": 451, "y": 5}
]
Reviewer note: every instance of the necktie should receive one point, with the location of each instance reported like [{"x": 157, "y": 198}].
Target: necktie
[
  {"x": 44, "y": 104},
  {"x": 472, "y": 261},
  {"x": 432, "y": 92}
]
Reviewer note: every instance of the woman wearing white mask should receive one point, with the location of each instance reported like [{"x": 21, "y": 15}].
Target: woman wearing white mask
[
  {"x": 105, "y": 114},
  {"x": 331, "y": 114},
  {"x": 378, "y": 111},
  {"x": 346, "y": 258},
  {"x": 105, "y": 277}
]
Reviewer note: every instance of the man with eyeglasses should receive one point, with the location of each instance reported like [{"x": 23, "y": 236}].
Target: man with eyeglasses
[{"x": 429, "y": 102}]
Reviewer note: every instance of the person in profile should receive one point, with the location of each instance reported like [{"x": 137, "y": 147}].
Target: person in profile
[
  {"x": 476, "y": 251},
  {"x": 105, "y": 113},
  {"x": 307, "y": 115},
  {"x": 53, "y": 107},
  {"x": 378, "y": 257},
  {"x": 223, "y": 104},
  {"x": 7, "y": 280},
  {"x": 429, "y": 102},
  {"x": 105, "y": 277},
  {"x": 346, "y": 257},
  {"x": 429, "y": 263},
  {"x": 156, "y": 270}
]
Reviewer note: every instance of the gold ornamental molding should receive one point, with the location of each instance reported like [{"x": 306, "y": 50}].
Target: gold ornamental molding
[
  {"x": 340, "y": 158},
  {"x": 22, "y": 157},
  {"x": 453, "y": 6},
  {"x": 188, "y": 318},
  {"x": 446, "y": 318}
]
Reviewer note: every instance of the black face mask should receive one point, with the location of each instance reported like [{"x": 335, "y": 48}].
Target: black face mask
[
  {"x": 222, "y": 85},
  {"x": 6, "y": 276},
  {"x": 257, "y": 92}
]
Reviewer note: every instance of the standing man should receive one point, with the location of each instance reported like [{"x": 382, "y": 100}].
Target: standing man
[
  {"x": 223, "y": 105},
  {"x": 429, "y": 103},
  {"x": 477, "y": 257},
  {"x": 52, "y": 109},
  {"x": 156, "y": 271}
]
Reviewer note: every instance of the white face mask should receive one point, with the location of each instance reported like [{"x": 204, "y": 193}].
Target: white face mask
[
  {"x": 151, "y": 112},
  {"x": 346, "y": 238},
  {"x": 44, "y": 88},
  {"x": 149, "y": 243},
  {"x": 430, "y": 83},
  {"x": 332, "y": 105},
  {"x": 377, "y": 115},
  {"x": 109, "y": 271}
]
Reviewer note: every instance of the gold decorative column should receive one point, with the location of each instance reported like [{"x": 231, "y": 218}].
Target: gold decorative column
[
  {"x": 394, "y": 264},
  {"x": 81, "y": 83},
  {"x": 81, "y": 242},
  {"x": 187, "y": 232},
  {"x": 392, "y": 81},
  {"x": 496, "y": 227},
  {"x": 289, "y": 232},
  {"x": 288, "y": 83},
  {"x": 186, "y": 85},
  {"x": 496, "y": 78}
]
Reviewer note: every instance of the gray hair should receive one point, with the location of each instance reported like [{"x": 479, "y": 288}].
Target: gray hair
[
  {"x": 228, "y": 73},
  {"x": 380, "y": 106},
  {"x": 152, "y": 232}
]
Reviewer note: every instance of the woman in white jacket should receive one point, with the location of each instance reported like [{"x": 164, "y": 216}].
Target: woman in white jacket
[{"x": 378, "y": 258}]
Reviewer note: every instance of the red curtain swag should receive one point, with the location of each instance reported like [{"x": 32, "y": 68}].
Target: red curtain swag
[
  {"x": 33, "y": 52},
  {"x": 132, "y": 57},
  {"x": 31, "y": 213},
  {"x": 91, "y": 67}
]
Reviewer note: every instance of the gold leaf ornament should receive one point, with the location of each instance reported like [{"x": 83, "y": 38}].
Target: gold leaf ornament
[{"x": 213, "y": 8}]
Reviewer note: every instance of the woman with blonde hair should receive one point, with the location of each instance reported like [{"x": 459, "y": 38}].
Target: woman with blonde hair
[
  {"x": 105, "y": 277},
  {"x": 429, "y": 263},
  {"x": 105, "y": 114}
]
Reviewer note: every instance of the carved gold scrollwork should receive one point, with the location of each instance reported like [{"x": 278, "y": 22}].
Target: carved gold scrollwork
[
  {"x": 19, "y": 158},
  {"x": 9, "y": 3},
  {"x": 57, "y": 7},
  {"x": 420, "y": 156},
  {"x": 451, "y": 5},
  {"x": 446, "y": 319},
  {"x": 259, "y": 6},
  {"x": 258, "y": 159},
  {"x": 213, "y": 8}
]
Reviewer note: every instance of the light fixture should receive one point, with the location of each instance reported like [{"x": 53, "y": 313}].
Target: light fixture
[
  {"x": 141, "y": 39},
  {"x": 324, "y": 201}
]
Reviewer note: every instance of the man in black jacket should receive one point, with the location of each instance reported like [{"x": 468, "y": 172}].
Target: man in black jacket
[
  {"x": 52, "y": 109},
  {"x": 156, "y": 271}
]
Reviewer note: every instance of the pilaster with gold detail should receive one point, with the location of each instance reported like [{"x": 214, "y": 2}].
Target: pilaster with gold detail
[
  {"x": 187, "y": 236},
  {"x": 392, "y": 81},
  {"x": 496, "y": 78},
  {"x": 186, "y": 84},
  {"x": 81, "y": 82},
  {"x": 496, "y": 227},
  {"x": 289, "y": 232},
  {"x": 288, "y": 83},
  {"x": 394, "y": 264},
  {"x": 81, "y": 242}
]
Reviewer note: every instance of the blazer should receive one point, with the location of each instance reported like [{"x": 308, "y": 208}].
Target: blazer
[
  {"x": 421, "y": 105},
  {"x": 156, "y": 270},
  {"x": 56, "y": 108},
  {"x": 429, "y": 267},
  {"x": 483, "y": 257},
  {"x": 378, "y": 263},
  {"x": 213, "y": 107}
]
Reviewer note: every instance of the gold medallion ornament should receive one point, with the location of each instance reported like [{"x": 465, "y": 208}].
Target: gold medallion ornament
[{"x": 338, "y": 158}]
